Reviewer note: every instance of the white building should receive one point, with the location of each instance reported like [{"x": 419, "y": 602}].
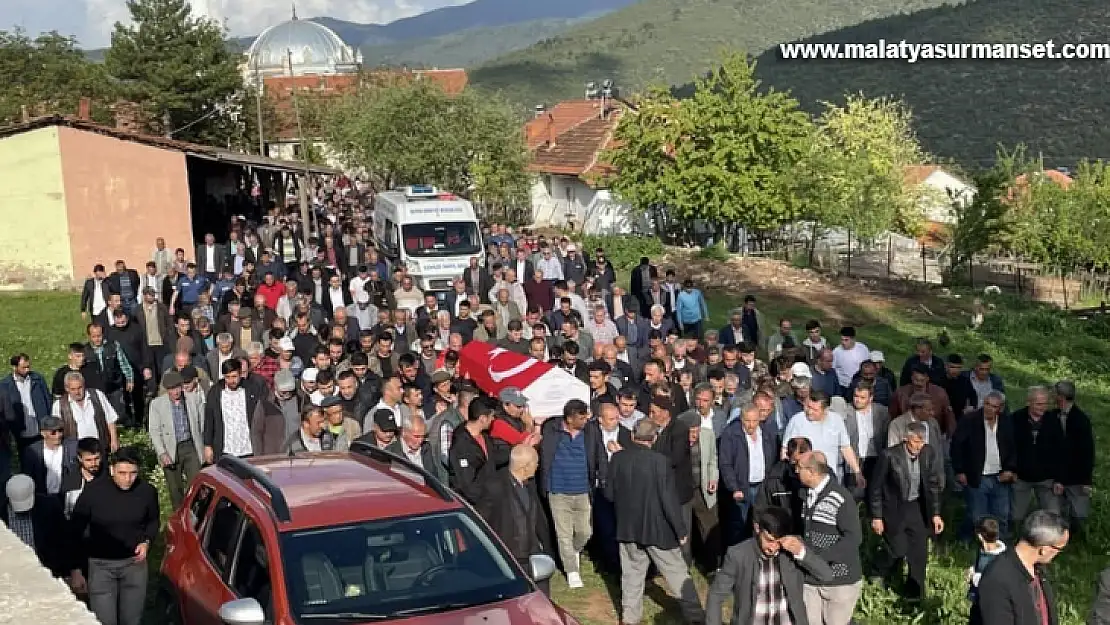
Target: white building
[
  {"x": 939, "y": 189},
  {"x": 567, "y": 144},
  {"x": 299, "y": 48}
]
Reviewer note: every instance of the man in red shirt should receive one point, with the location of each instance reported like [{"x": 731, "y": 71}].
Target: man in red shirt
[
  {"x": 513, "y": 424},
  {"x": 271, "y": 289}
]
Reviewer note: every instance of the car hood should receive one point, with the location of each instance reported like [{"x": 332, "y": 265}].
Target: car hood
[{"x": 533, "y": 608}]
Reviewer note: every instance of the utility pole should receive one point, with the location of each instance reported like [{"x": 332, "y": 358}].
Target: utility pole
[
  {"x": 258, "y": 105},
  {"x": 302, "y": 195}
]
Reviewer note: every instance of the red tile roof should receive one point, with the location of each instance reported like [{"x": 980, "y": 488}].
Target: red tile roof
[
  {"x": 916, "y": 174},
  {"x": 1021, "y": 183},
  {"x": 570, "y": 139}
]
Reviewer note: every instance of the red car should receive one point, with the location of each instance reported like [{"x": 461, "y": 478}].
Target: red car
[{"x": 346, "y": 538}]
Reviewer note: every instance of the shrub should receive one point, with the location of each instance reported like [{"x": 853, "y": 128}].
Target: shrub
[
  {"x": 717, "y": 252},
  {"x": 623, "y": 252}
]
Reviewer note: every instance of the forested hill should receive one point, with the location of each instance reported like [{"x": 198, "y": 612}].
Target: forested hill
[
  {"x": 964, "y": 109},
  {"x": 668, "y": 41}
]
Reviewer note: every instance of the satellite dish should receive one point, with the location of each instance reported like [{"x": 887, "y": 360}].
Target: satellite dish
[{"x": 608, "y": 84}]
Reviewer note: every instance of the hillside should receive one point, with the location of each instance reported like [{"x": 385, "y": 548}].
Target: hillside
[
  {"x": 965, "y": 108},
  {"x": 668, "y": 41},
  {"x": 469, "y": 47},
  {"x": 541, "y": 18}
]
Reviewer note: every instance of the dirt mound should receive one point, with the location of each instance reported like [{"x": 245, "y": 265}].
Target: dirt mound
[{"x": 767, "y": 278}]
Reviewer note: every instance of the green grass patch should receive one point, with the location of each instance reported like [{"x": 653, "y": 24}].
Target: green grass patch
[{"x": 1031, "y": 344}]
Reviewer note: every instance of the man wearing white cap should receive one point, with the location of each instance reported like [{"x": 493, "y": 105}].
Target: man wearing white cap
[
  {"x": 362, "y": 310},
  {"x": 39, "y": 527}
]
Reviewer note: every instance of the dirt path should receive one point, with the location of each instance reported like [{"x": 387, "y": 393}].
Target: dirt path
[{"x": 834, "y": 297}]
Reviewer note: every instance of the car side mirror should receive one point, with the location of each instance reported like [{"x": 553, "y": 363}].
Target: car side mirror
[
  {"x": 543, "y": 567},
  {"x": 247, "y": 612}
]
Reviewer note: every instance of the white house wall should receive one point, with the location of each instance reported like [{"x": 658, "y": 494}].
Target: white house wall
[
  {"x": 559, "y": 200},
  {"x": 937, "y": 207}
]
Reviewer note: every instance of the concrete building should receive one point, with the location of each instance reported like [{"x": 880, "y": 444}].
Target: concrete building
[
  {"x": 74, "y": 193},
  {"x": 567, "y": 145}
]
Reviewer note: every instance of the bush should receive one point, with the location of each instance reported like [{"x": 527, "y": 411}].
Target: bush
[
  {"x": 717, "y": 252},
  {"x": 623, "y": 252}
]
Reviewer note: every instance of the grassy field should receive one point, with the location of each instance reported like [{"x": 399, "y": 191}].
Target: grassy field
[{"x": 1030, "y": 344}]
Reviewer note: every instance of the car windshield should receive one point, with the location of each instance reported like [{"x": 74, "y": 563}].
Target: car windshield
[
  {"x": 442, "y": 239},
  {"x": 395, "y": 568}
]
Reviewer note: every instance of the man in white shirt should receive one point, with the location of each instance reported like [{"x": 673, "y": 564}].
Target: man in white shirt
[
  {"x": 866, "y": 422},
  {"x": 848, "y": 356},
  {"x": 391, "y": 400},
  {"x": 49, "y": 459},
  {"x": 826, "y": 431},
  {"x": 227, "y": 422},
  {"x": 86, "y": 413}
]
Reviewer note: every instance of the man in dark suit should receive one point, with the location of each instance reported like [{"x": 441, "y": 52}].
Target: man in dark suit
[
  {"x": 626, "y": 301},
  {"x": 522, "y": 264},
  {"x": 608, "y": 437},
  {"x": 904, "y": 499},
  {"x": 867, "y": 416},
  {"x": 986, "y": 480},
  {"x": 1077, "y": 473},
  {"x": 520, "y": 520},
  {"x": 232, "y": 405},
  {"x": 771, "y": 565},
  {"x": 673, "y": 441},
  {"x": 743, "y": 472},
  {"x": 413, "y": 444},
  {"x": 633, "y": 327},
  {"x": 93, "y": 304},
  {"x": 211, "y": 258},
  {"x": 125, "y": 282},
  {"x": 49, "y": 460},
  {"x": 640, "y": 281},
  {"x": 651, "y": 527}
]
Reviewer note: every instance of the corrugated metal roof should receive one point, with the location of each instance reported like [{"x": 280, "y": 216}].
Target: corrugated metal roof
[{"x": 197, "y": 150}]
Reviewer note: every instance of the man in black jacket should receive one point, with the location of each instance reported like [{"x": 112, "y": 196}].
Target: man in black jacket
[
  {"x": 1039, "y": 447},
  {"x": 1077, "y": 472},
  {"x": 904, "y": 499},
  {"x": 520, "y": 520},
  {"x": 781, "y": 487},
  {"x": 742, "y": 472},
  {"x": 1013, "y": 589},
  {"x": 608, "y": 437},
  {"x": 473, "y": 457},
  {"x": 121, "y": 517},
  {"x": 985, "y": 463},
  {"x": 673, "y": 442},
  {"x": 132, "y": 341},
  {"x": 651, "y": 527},
  {"x": 766, "y": 574}
]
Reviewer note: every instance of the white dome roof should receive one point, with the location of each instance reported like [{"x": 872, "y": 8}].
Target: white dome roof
[{"x": 314, "y": 48}]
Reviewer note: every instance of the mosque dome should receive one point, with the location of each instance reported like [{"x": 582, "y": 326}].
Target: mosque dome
[{"x": 301, "y": 47}]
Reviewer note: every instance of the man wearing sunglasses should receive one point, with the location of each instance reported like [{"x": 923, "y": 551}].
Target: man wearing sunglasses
[{"x": 1014, "y": 590}]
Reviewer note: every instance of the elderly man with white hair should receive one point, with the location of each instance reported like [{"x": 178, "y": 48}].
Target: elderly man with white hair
[{"x": 225, "y": 350}]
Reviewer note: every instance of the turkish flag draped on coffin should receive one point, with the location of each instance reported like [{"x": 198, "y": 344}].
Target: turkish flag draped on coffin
[{"x": 547, "y": 388}]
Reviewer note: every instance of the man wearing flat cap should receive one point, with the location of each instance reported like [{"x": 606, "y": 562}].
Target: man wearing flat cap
[
  {"x": 513, "y": 424},
  {"x": 175, "y": 435}
]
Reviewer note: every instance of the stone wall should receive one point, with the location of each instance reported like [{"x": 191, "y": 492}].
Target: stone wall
[{"x": 29, "y": 593}]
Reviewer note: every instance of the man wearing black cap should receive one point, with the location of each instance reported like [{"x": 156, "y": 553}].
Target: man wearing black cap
[
  {"x": 339, "y": 427},
  {"x": 176, "y": 435},
  {"x": 50, "y": 459},
  {"x": 383, "y": 429}
]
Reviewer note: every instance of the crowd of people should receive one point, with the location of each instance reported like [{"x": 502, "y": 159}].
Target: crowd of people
[{"x": 756, "y": 454}]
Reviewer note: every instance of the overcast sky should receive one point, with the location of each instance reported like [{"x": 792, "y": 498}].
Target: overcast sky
[{"x": 91, "y": 20}]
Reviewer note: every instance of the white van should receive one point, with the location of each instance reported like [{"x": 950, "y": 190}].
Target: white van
[{"x": 433, "y": 232}]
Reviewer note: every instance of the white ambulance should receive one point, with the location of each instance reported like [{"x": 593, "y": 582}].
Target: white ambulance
[{"x": 433, "y": 232}]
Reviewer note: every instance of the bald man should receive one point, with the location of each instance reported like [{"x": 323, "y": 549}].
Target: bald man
[{"x": 520, "y": 520}]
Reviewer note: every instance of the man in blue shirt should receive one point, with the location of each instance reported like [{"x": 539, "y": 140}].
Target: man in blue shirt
[
  {"x": 690, "y": 310},
  {"x": 188, "y": 289}
]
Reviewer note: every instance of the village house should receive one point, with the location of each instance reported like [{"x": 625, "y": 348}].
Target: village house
[{"x": 567, "y": 144}]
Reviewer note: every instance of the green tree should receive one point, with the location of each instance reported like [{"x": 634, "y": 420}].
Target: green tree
[
  {"x": 644, "y": 160},
  {"x": 981, "y": 223},
  {"x": 722, "y": 157},
  {"x": 407, "y": 131},
  {"x": 47, "y": 74},
  {"x": 180, "y": 69},
  {"x": 855, "y": 168}
]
